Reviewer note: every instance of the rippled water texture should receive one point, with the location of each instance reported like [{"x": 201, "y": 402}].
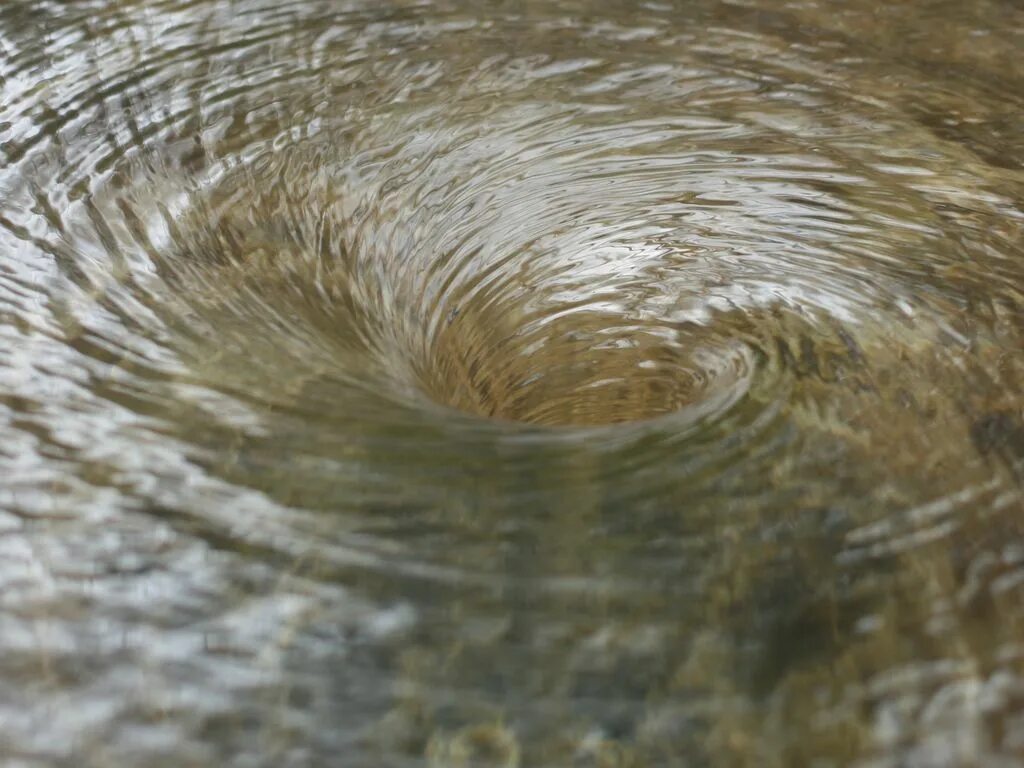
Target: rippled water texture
[{"x": 515, "y": 383}]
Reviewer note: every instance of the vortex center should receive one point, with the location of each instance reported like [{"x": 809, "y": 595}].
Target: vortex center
[{"x": 582, "y": 369}]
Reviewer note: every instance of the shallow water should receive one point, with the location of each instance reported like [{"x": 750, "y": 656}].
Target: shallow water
[{"x": 511, "y": 383}]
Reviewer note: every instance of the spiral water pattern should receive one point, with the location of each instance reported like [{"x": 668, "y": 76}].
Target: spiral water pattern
[{"x": 527, "y": 383}]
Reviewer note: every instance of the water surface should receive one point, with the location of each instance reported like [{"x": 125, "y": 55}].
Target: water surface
[{"x": 511, "y": 383}]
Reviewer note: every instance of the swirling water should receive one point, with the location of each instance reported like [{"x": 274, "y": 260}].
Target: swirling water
[{"x": 512, "y": 382}]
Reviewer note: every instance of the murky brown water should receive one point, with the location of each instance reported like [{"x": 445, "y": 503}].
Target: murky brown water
[{"x": 513, "y": 383}]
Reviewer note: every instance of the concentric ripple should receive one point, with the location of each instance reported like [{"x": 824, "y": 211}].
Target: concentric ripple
[{"x": 511, "y": 383}]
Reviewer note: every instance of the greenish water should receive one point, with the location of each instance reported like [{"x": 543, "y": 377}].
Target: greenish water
[{"x": 513, "y": 383}]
